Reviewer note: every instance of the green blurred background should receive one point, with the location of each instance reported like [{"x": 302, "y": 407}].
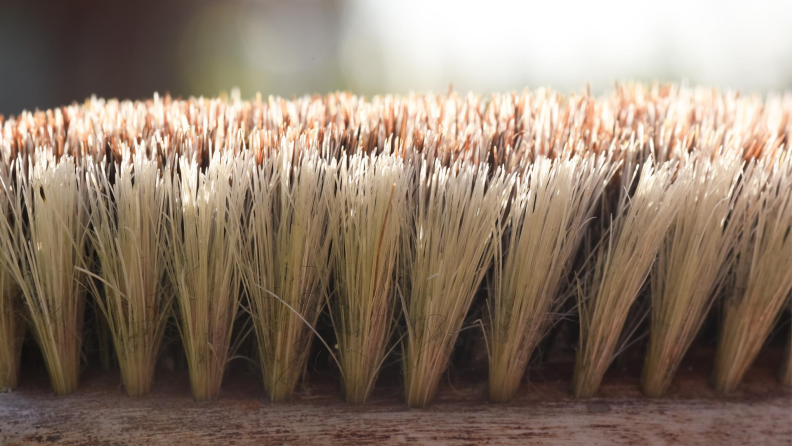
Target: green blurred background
[{"x": 57, "y": 52}]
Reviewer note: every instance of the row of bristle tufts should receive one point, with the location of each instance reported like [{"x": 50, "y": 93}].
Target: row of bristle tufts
[{"x": 392, "y": 214}]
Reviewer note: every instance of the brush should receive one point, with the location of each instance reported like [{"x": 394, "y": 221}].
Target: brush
[
  {"x": 12, "y": 327},
  {"x": 387, "y": 214},
  {"x": 457, "y": 213},
  {"x": 623, "y": 262},
  {"x": 692, "y": 262},
  {"x": 284, "y": 262},
  {"x": 762, "y": 281},
  {"x": 47, "y": 256},
  {"x": 367, "y": 214},
  {"x": 204, "y": 243},
  {"x": 543, "y": 228},
  {"x": 12, "y": 331},
  {"x": 786, "y": 367},
  {"x": 128, "y": 235}
]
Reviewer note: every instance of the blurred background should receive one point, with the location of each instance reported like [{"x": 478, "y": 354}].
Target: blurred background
[{"x": 54, "y": 53}]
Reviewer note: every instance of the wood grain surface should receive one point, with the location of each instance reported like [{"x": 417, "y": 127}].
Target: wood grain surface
[{"x": 544, "y": 412}]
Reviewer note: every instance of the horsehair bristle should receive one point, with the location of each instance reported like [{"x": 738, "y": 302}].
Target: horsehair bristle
[
  {"x": 391, "y": 211},
  {"x": 128, "y": 235},
  {"x": 692, "y": 263},
  {"x": 786, "y": 368},
  {"x": 12, "y": 329},
  {"x": 367, "y": 218},
  {"x": 11, "y": 333},
  {"x": 762, "y": 279},
  {"x": 285, "y": 263},
  {"x": 457, "y": 213},
  {"x": 204, "y": 241},
  {"x": 543, "y": 228},
  {"x": 48, "y": 261},
  {"x": 623, "y": 262}
]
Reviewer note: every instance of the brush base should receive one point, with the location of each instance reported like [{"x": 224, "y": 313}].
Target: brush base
[
  {"x": 502, "y": 391},
  {"x": 9, "y": 369},
  {"x": 279, "y": 392},
  {"x": 729, "y": 372},
  {"x": 9, "y": 378},
  {"x": 654, "y": 385},
  {"x": 422, "y": 390},
  {"x": 693, "y": 413},
  {"x": 67, "y": 379}
]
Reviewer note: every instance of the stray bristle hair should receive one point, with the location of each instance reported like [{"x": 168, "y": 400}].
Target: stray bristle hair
[
  {"x": 128, "y": 235},
  {"x": 762, "y": 279}
]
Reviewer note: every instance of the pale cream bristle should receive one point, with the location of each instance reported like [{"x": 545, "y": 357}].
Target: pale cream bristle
[
  {"x": 12, "y": 326},
  {"x": 762, "y": 278},
  {"x": 457, "y": 213},
  {"x": 623, "y": 263},
  {"x": 47, "y": 260},
  {"x": 128, "y": 235},
  {"x": 204, "y": 240},
  {"x": 285, "y": 263},
  {"x": 367, "y": 217},
  {"x": 786, "y": 367},
  {"x": 11, "y": 332},
  {"x": 692, "y": 263},
  {"x": 547, "y": 218}
]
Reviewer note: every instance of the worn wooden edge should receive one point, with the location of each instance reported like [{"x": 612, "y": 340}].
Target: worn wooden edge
[{"x": 544, "y": 412}]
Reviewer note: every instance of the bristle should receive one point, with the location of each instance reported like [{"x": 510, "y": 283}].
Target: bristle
[
  {"x": 692, "y": 263},
  {"x": 128, "y": 235},
  {"x": 12, "y": 331},
  {"x": 12, "y": 327},
  {"x": 285, "y": 263},
  {"x": 204, "y": 240},
  {"x": 786, "y": 367},
  {"x": 762, "y": 279},
  {"x": 544, "y": 225},
  {"x": 47, "y": 261},
  {"x": 367, "y": 218},
  {"x": 622, "y": 264},
  {"x": 457, "y": 214},
  {"x": 388, "y": 213},
  {"x": 104, "y": 338}
]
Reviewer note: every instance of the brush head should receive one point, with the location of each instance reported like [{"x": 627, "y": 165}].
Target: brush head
[{"x": 404, "y": 218}]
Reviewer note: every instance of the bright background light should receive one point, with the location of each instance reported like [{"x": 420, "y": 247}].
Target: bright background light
[
  {"x": 500, "y": 45},
  {"x": 191, "y": 47}
]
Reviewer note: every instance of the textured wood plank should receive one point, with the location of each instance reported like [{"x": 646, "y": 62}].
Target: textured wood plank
[{"x": 543, "y": 413}]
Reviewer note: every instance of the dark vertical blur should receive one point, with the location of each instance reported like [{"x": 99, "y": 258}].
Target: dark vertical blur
[{"x": 57, "y": 52}]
